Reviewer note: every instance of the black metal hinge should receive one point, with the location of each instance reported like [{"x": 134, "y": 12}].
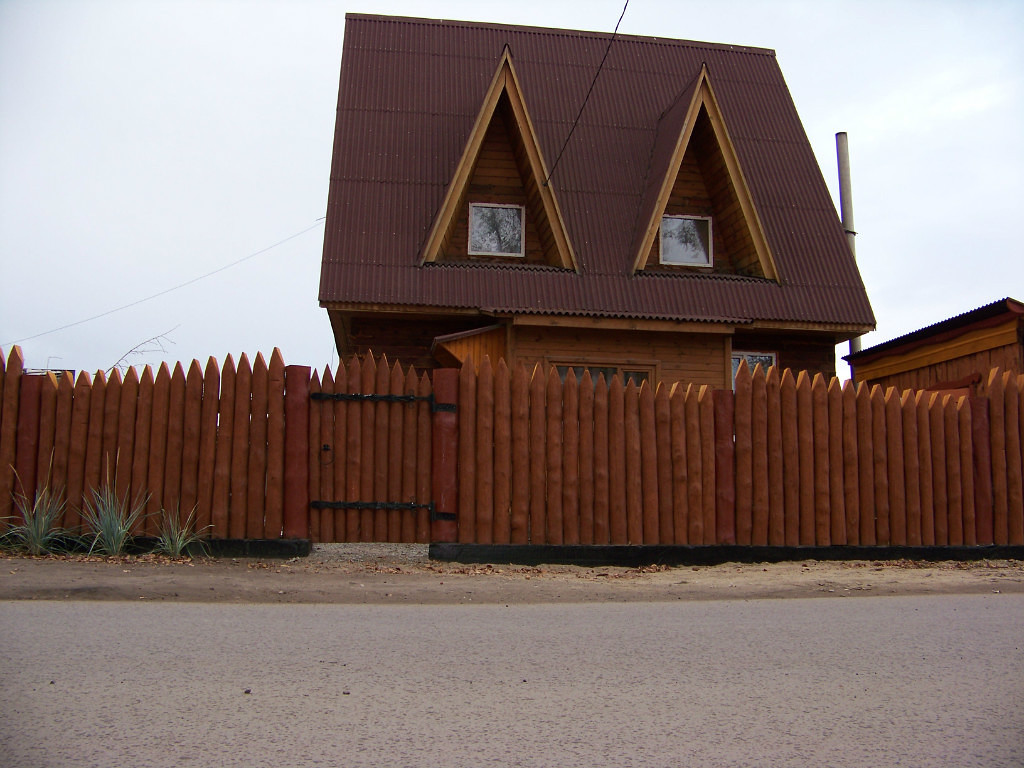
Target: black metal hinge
[
  {"x": 435, "y": 406},
  {"x": 409, "y": 506}
]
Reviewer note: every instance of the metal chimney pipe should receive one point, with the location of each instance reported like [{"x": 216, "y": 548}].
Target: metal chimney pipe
[{"x": 846, "y": 206}]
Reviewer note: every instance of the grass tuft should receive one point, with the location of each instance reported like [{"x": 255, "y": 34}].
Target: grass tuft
[
  {"x": 109, "y": 520},
  {"x": 176, "y": 538},
  {"x": 38, "y": 533}
]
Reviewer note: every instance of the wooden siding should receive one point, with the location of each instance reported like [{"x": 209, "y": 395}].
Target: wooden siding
[
  {"x": 696, "y": 358},
  {"x": 408, "y": 338},
  {"x": 1009, "y": 357},
  {"x": 800, "y": 354},
  {"x": 703, "y": 188}
]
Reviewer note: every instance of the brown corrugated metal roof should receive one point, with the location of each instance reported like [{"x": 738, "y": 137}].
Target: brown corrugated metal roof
[
  {"x": 410, "y": 91},
  {"x": 996, "y": 312}
]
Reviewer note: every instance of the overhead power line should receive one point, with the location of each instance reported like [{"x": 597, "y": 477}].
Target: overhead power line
[
  {"x": 590, "y": 91},
  {"x": 164, "y": 292}
]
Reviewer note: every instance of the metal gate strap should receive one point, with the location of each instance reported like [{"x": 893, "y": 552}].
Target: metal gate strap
[
  {"x": 388, "y": 505},
  {"x": 356, "y": 397}
]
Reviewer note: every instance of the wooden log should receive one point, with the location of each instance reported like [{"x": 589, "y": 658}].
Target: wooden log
[
  {"x": 368, "y": 416},
  {"x": 837, "y": 495},
  {"x": 381, "y": 432},
  {"x": 239, "y": 504},
  {"x": 520, "y": 434},
  {"x": 725, "y": 479},
  {"x": 331, "y": 457},
  {"x": 911, "y": 468},
  {"x": 680, "y": 480},
  {"x": 759, "y": 451},
  {"x": 602, "y": 467},
  {"x": 981, "y": 441},
  {"x": 791, "y": 458},
  {"x": 424, "y": 466},
  {"x": 963, "y": 408},
  {"x": 273, "y": 509},
  {"x": 207, "y": 446},
  {"x": 94, "y": 442},
  {"x": 897, "y": 532},
  {"x": 650, "y": 504},
  {"x": 940, "y": 499},
  {"x": 553, "y": 441},
  {"x": 193, "y": 424},
  {"x": 80, "y": 409},
  {"x": 315, "y": 453},
  {"x": 997, "y": 436},
  {"x": 1014, "y": 464},
  {"x": 865, "y": 466},
  {"x": 28, "y": 438},
  {"x": 353, "y": 455},
  {"x": 586, "y": 467},
  {"x": 880, "y": 456},
  {"x": 634, "y": 467},
  {"x": 924, "y": 463},
  {"x": 140, "y": 491},
  {"x": 570, "y": 460},
  {"x": 484, "y": 456},
  {"x": 412, "y": 523},
  {"x": 822, "y": 468},
  {"x": 395, "y": 474},
  {"x": 224, "y": 465},
  {"x": 776, "y": 459},
  {"x": 709, "y": 475},
  {"x": 467, "y": 452},
  {"x": 171, "y": 502},
  {"x": 742, "y": 388},
  {"x": 47, "y": 432},
  {"x": 126, "y": 434},
  {"x": 62, "y": 440},
  {"x": 694, "y": 467},
  {"x": 663, "y": 454},
  {"x": 255, "y": 525},
  {"x": 805, "y": 451},
  {"x": 111, "y": 411},
  {"x": 618, "y": 531},
  {"x": 954, "y": 483},
  {"x": 9, "y": 430},
  {"x": 444, "y": 453},
  {"x": 851, "y": 465}
]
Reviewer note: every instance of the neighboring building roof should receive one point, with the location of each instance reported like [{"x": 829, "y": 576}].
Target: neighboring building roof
[
  {"x": 995, "y": 313},
  {"x": 410, "y": 93}
]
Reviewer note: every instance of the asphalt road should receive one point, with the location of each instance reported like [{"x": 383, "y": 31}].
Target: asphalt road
[{"x": 877, "y": 681}]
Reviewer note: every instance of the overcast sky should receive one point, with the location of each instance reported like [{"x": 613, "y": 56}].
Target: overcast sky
[{"x": 145, "y": 144}]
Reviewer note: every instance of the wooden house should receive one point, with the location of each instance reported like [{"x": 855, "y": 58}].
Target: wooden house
[
  {"x": 638, "y": 205},
  {"x": 954, "y": 355}
]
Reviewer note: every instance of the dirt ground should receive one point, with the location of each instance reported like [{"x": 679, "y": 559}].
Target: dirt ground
[{"x": 403, "y": 574}]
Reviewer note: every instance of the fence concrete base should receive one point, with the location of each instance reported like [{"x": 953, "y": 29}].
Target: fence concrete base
[{"x": 636, "y": 556}]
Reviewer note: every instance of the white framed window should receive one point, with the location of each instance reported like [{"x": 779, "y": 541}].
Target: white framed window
[
  {"x": 766, "y": 359},
  {"x": 496, "y": 230},
  {"x": 686, "y": 241}
]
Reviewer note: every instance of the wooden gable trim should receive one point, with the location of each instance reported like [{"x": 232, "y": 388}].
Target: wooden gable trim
[
  {"x": 505, "y": 81},
  {"x": 704, "y": 96},
  {"x": 969, "y": 343}
]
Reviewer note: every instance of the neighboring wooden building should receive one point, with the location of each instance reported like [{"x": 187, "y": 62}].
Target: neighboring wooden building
[
  {"x": 681, "y": 224},
  {"x": 954, "y": 355}
]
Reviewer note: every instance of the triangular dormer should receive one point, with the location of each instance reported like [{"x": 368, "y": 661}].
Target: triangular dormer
[
  {"x": 497, "y": 206},
  {"x": 702, "y": 217}
]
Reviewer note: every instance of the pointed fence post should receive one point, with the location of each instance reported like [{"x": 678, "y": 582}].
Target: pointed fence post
[
  {"x": 296, "y": 451},
  {"x": 444, "y": 462}
]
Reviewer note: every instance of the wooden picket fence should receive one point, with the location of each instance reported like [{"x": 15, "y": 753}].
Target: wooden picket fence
[
  {"x": 370, "y": 451},
  {"x": 784, "y": 460}
]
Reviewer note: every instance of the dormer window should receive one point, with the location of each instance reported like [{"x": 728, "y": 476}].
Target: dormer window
[
  {"x": 686, "y": 241},
  {"x": 496, "y": 230}
]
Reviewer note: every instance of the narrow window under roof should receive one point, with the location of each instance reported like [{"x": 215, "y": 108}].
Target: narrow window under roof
[
  {"x": 686, "y": 241},
  {"x": 496, "y": 230}
]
